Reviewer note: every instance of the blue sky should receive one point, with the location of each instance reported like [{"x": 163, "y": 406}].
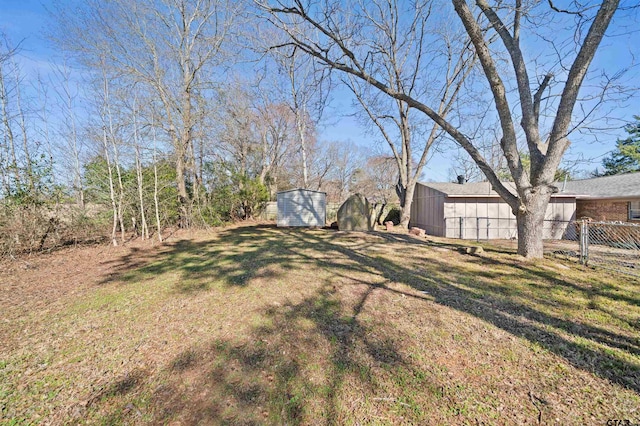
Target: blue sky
[{"x": 26, "y": 21}]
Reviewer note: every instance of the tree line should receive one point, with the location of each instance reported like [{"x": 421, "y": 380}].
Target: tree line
[
  {"x": 195, "y": 112},
  {"x": 163, "y": 114}
]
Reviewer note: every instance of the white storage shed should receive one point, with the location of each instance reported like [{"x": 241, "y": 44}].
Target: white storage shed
[{"x": 301, "y": 207}]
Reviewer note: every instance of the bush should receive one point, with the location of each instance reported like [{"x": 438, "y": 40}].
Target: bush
[
  {"x": 28, "y": 228},
  {"x": 393, "y": 215},
  {"x": 232, "y": 195}
]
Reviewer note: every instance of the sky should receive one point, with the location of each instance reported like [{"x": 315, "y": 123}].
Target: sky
[{"x": 26, "y": 21}]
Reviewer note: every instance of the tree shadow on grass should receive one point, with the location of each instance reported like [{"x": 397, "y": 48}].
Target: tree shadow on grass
[
  {"x": 267, "y": 379},
  {"x": 292, "y": 370},
  {"x": 233, "y": 256},
  {"x": 514, "y": 316}
]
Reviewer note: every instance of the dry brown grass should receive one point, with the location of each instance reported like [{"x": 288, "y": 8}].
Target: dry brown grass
[{"x": 259, "y": 325}]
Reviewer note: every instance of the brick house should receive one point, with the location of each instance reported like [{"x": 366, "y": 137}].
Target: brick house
[{"x": 607, "y": 198}]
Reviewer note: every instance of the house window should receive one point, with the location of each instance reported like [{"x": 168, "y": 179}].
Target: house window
[{"x": 634, "y": 210}]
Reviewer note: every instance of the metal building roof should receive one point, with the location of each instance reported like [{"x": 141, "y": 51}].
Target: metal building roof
[
  {"x": 604, "y": 187},
  {"x": 477, "y": 189}
]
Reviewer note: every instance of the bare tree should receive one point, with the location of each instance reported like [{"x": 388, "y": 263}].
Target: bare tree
[
  {"x": 335, "y": 38},
  {"x": 44, "y": 116},
  {"x": 309, "y": 89},
  {"x": 8, "y": 157},
  {"x": 22, "y": 173},
  {"x": 155, "y": 180},
  {"x": 110, "y": 143},
  {"x": 257, "y": 133},
  {"x": 66, "y": 90},
  {"x": 237, "y": 132},
  {"x": 379, "y": 178},
  {"x": 112, "y": 193},
  {"x": 144, "y": 230},
  {"x": 404, "y": 67},
  {"x": 166, "y": 45},
  {"x": 402, "y": 37},
  {"x": 277, "y": 127},
  {"x": 22, "y": 125},
  {"x": 346, "y": 164},
  {"x": 8, "y": 160}
]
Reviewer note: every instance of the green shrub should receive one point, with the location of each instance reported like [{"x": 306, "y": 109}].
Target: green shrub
[{"x": 393, "y": 215}]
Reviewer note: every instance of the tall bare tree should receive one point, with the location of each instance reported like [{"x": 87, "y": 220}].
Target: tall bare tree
[
  {"x": 410, "y": 140},
  {"x": 11, "y": 175},
  {"x": 308, "y": 92},
  {"x": 135, "y": 111},
  {"x": 277, "y": 130},
  {"x": 332, "y": 33},
  {"x": 8, "y": 159},
  {"x": 66, "y": 91},
  {"x": 171, "y": 46}
]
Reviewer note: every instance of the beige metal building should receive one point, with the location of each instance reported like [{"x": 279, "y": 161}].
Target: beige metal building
[{"x": 476, "y": 211}]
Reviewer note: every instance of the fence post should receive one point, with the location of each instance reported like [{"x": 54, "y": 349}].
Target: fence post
[
  {"x": 477, "y": 229},
  {"x": 584, "y": 241},
  {"x": 461, "y": 227}
]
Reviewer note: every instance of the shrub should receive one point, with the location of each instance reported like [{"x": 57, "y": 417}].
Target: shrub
[{"x": 393, "y": 215}]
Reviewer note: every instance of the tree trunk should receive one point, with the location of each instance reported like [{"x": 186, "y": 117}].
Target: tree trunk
[
  {"x": 25, "y": 138},
  {"x": 380, "y": 212},
  {"x": 144, "y": 231},
  {"x": 143, "y": 219},
  {"x": 404, "y": 190},
  {"x": 155, "y": 183},
  {"x": 530, "y": 223},
  {"x": 155, "y": 199},
  {"x": 405, "y": 207},
  {"x": 12, "y": 162},
  {"x": 77, "y": 167},
  {"x": 183, "y": 220},
  {"x": 303, "y": 149},
  {"x": 112, "y": 193}
]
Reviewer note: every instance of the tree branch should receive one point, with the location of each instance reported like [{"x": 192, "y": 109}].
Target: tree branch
[{"x": 558, "y": 142}]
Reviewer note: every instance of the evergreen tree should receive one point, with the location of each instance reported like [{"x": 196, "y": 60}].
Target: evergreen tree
[{"x": 626, "y": 157}]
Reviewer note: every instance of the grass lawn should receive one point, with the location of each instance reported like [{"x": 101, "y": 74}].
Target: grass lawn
[{"x": 260, "y": 325}]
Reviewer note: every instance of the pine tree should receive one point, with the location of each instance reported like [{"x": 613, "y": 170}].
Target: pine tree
[{"x": 626, "y": 157}]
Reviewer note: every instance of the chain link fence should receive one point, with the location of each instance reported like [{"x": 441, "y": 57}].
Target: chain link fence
[
  {"x": 611, "y": 245},
  {"x": 493, "y": 228}
]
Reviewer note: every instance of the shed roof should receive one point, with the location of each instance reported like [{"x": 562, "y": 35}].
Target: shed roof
[
  {"x": 301, "y": 189},
  {"x": 604, "y": 187}
]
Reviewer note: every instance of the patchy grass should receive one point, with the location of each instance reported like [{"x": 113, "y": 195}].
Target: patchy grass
[{"x": 259, "y": 325}]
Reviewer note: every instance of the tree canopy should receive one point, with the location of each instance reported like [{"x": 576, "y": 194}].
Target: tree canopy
[{"x": 626, "y": 157}]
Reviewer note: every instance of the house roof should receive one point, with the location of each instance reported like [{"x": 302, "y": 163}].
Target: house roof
[
  {"x": 476, "y": 189},
  {"x": 605, "y": 187}
]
